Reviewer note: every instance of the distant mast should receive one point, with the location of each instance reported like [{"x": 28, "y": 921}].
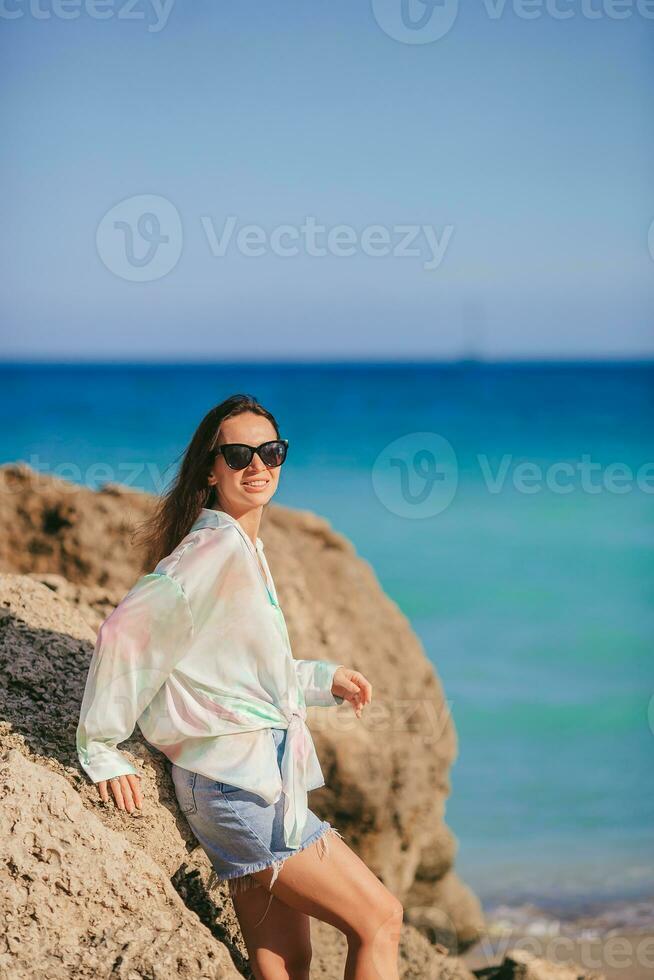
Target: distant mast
[{"x": 472, "y": 332}]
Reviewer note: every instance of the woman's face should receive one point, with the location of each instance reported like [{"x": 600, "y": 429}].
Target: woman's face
[{"x": 243, "y": 490}]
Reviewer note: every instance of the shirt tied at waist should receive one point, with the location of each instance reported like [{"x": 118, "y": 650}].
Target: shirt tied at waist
[{"x": 298, "y": 763}]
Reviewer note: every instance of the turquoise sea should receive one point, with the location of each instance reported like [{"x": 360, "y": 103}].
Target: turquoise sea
[{"x": 508, "y": 510}]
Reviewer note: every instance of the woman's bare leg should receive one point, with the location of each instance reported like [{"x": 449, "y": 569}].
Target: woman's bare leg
[
  {"x": 277, "y": 937},
  {"x": 338, "y": 887}
]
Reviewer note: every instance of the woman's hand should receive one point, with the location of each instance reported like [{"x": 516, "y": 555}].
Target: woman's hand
[
  {"x": 353, "y": 687},
  {"x": 126, "y": 791}
]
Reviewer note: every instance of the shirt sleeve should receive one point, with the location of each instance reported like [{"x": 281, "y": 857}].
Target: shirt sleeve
[
  {"x": 136, "y": 648},
  {"x": 316, "y": 678}
]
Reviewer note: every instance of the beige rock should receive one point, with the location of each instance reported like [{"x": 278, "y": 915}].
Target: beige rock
[
  {"x": 69, "y": 863},
  {"x": 443, "y": 910},
  {"x": 94, "y": 603},
  {"x": 53, "y": 525},
  {"x": 521, "y": 964},
  {"x": 78, "y": 900},
  {"x": 91, "y": 891},
  {"x": 387, "y": 775}
]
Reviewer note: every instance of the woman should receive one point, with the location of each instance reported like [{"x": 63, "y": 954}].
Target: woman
[{"x": 198, "y": 654}]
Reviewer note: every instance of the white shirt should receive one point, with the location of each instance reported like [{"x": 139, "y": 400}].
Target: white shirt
[{"x": 198, "y": 655}]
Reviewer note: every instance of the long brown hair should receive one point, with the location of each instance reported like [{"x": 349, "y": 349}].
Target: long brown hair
[{"x": 177, "y": 509}]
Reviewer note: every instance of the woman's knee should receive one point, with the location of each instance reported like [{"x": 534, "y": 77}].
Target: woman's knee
[
  {"x": 381, "y": 923},
  {"x": 391, "y": 920}
]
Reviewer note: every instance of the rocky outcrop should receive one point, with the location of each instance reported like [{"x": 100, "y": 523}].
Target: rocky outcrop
[
  {"x": 90, "y": 891},
  {"x": 521, "y": 964},
  {"x": 387, "y": 774},
  {"x": 78, "y": 899},
  {"x": 53, "y": 525}
]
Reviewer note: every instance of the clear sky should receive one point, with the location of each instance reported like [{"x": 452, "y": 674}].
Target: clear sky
[{"x": 523, "y": 146}]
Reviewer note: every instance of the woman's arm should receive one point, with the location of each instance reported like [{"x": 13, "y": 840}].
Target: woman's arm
[
  {"x": 316, "y": 678},
  {"x": 136, "y": 649},
  {"x": 139, "y": 645}
]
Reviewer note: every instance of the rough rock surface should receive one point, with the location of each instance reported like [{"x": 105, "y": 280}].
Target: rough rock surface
[
  {"x": 94, "y": 603},
  {"x": 53, "y": 525},
  {"x": 68, "y": 879},
  {"x": 520, "y": 964},
  {"x": 77, "y": 899},
  {"x": 88, "y": 890},
  {"x": 387, "y": 776}
]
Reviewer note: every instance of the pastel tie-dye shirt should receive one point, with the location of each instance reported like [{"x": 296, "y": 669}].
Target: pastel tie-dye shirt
[{"x": 198, "y": 655}]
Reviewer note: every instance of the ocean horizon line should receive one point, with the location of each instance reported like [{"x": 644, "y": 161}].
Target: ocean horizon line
[{"x": 424, "y": 363}]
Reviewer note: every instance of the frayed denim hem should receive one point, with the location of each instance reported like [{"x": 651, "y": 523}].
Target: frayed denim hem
[{"x": 245, "y": 880}]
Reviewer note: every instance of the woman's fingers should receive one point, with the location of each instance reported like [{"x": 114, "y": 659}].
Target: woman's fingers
[
  {"x": 350, "y": 684},
  {"x": 126, "y": 792},
  {"x": 128, "y": 795},
  {"x": 366, "y": 688},
  {"x": 361, "y": 691},
  {"x": 135, "y": 786},
  {"x": 117, "y": 790}
]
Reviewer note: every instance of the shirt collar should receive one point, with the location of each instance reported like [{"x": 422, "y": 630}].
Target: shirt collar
[{"x": 211, "y": 517}]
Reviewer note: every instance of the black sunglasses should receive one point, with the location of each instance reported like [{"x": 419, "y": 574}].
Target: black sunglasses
[{"x": 238, "y": 455}]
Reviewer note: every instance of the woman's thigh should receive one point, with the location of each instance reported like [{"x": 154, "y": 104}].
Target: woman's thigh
[
  {"x": 336, "y": 887},
  {"x": 277, "y": 937}
]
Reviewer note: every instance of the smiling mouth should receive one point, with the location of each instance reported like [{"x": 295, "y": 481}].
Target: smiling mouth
[{"x": 255, "y": 484}]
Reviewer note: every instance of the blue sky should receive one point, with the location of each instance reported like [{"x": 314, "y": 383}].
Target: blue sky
[{"x": 523, "y": 145}]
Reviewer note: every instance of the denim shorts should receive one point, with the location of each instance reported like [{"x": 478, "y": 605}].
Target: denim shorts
[{"x": 238, "y": 830}]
